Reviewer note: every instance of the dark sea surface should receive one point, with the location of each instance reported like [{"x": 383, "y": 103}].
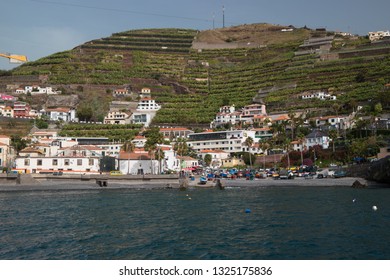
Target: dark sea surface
[{"x": 273, "y": 223}]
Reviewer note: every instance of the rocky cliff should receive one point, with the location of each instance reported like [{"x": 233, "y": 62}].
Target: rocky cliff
[{"x": 379, "y": 171}]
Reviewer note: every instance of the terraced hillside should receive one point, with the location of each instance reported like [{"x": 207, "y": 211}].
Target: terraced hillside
[{"x": 226, "y": 66}]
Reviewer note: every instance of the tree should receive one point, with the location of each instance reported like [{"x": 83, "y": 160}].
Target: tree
[
  {"x": 180, "y": 146},
  {"x": 301, "y": 139},
  {"x": 41, "y": 123},
  {"x": 18, "y": 143},
  {"x": 249, "y": 142},
  {"x": 84, "y": 112},
  {"x": 160, "y": 155},
  {"x": 286, "y": 146},
  {"x": 263, "y": 145},
  {"x": 128, "y": 147},
  {"x": 207, "y": 159},
  {"x": 333, "y": 136},
  {"x": 374, "y": 116}
]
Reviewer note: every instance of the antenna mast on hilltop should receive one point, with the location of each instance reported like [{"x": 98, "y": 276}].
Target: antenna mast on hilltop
[{"x": 223, "y": 16}]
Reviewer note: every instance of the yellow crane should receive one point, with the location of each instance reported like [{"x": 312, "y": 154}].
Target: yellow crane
[{"x": 14, "y": 58}]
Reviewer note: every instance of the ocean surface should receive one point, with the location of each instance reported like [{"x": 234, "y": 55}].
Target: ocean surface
[{"x": 246, "y": 223}]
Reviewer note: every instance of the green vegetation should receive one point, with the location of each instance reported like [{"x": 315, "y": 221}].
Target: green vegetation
[
  {"x": 216, "y": 77},
  {"x": 115, "y": 132}
]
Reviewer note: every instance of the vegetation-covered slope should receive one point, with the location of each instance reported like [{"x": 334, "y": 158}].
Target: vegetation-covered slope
[{"x": 224, "y": 66}]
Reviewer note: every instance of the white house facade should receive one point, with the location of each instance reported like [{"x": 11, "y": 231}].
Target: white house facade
[
  {"x": 5, "y": 150},
  {"x": 230, "y": 141},
  {"x": 378, "y": 35},
  {"x": 116, "y": 117},
  {"x": 317, "y": 137},
  {"x": 60, "y": 114}
]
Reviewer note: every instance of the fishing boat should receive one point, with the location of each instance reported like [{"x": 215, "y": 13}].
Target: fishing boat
[{"x": 202, "y": 180}]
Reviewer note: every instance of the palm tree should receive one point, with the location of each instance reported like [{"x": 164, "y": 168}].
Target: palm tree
[
  {"x": 159, "y": 154},
  {"x": 249, "y": 142},
  {"x": 181, "y": 147},
  {"x": 263, "y": 145},
  {"x": 301, "y": 139},
  {"x": 128, "y": 147},
  {"x": 333, "y": 137},
  {"x": 151, "y": 148}
]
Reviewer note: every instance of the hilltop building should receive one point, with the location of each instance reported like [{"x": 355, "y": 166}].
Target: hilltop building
[
  {"x": 322, "y": 95},
  {"x": 35, "y": 89},
  {"x": 378, "y": 35}
]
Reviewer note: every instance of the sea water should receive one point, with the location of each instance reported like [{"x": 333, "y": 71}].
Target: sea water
[{"x": 280, "y": 222}]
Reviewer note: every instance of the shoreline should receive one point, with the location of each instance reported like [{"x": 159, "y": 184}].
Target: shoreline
[{"x": 65, "y": 184}]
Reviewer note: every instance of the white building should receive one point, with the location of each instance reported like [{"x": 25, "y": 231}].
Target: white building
[
  {"x": 5, "y": 150},
  {"x": 250, "y": 111},
  {"x": 34, "y": 89},
  {"x": 187, "y": 163},
  {"x": 137, "y": 163},
  {"x": 171, "y": 133},
  {"x": 217, "y": 157},
  {"x": 73, "y": 160},
  {"x": 319, "y": 95},
  {"x": 337, "y": 122},
  {"x": 139, "y": 141},
  {"x": 226, "y": 114},
  {"x": 317, "y": 137},
  {"x": 60, "y": 114},
  {"x": 121, "y": 92},
  {"x": 6, "y": 111},
  {"x": 116, "y": 117},
  {"x": 110, "y": 149},
  {"x": 148, "y": 104},
  {"x": 230, "y": 141},
  {"x": 146, "y": 110},
  {"x": 378, "y": 35}
]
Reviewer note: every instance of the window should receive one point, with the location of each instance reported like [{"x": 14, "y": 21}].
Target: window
[
  {"x": 66, "y": 162},
  {"x": 79, "y": 161},
  {"x": 55, "y": 161},
  {"x": 26, "y": 162},
  {"x": 91, "y": 161},
  {"x": 39, "y": 162}
]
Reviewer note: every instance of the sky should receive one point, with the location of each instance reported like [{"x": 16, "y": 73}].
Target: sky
[{"x": 38, "y": 28}]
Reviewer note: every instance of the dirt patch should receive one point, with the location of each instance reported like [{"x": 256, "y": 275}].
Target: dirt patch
[{"x": 258, "y": 34}]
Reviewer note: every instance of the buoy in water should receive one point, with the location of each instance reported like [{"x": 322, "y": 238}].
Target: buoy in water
[
  {"x": 374, "y": 208},
  {"x": 354, "y": 200},
  {"x": 247, "y": 210}
]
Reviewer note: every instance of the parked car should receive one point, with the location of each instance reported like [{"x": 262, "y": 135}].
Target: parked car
[{"x": 339, "y": 174}]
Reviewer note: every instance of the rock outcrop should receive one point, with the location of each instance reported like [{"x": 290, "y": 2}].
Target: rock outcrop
[{"x": 379, "y": 171}]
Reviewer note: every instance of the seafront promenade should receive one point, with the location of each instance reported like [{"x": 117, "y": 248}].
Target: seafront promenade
[{"x": 70, "y": 182}]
